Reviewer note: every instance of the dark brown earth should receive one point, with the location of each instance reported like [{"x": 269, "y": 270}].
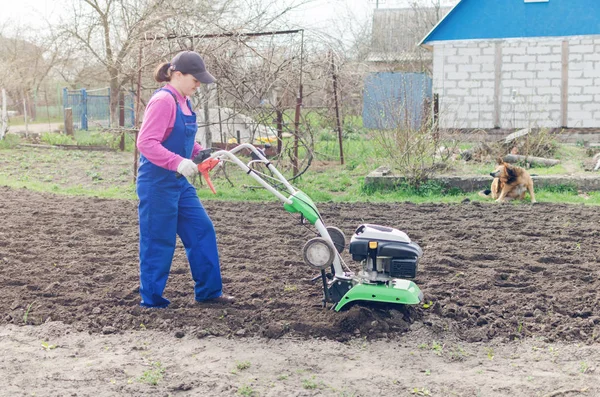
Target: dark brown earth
[{"x": 491, "y": 271}]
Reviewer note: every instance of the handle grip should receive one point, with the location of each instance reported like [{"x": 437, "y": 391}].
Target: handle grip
[{"x": 200, "y": 157}]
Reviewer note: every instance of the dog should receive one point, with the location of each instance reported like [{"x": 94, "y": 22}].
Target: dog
[{"x": 510, "y": 183}]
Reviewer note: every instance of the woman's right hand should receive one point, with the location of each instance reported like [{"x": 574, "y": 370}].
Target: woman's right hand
[{"x": 187, "y": 168}]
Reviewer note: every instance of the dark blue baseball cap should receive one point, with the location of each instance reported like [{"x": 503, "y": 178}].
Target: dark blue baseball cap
[{"x": 190, "y": 62}]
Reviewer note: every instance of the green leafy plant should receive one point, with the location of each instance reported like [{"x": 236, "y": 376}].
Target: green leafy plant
[
  {"x": 9, "y": 141},
  {"x": 458, "y": 353},
  {"x": 437, "y": 348},
  {"x": 246, "y": 391},
  {"x": 420, "y": 391},
  {"x": 48, "y": 346},
  {"x": 310, "y": 384},
  {"x": 153, "y": 375},
  {"x": 566, "y": 188},
  {"x": 27, "y": 311},
  {"x": 490, "y": 353},
  {"x": 243, "y": 365},
  {"x": 53, "y": 138}
]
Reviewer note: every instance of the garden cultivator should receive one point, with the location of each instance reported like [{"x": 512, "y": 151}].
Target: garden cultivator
[{"x": 388, "y": 257}]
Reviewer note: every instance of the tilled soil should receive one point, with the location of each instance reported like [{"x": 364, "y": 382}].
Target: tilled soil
[{"x": 489, "y": 271}]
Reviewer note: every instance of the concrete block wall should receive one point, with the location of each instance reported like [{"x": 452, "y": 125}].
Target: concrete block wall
[
  {"x": 463, "y": 76},
  {"x": 531, "y": 83},
  {"x": 584, "y": 82},
  {"x": 518, "y": 83}
]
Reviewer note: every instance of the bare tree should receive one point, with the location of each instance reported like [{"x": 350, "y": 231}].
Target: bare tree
[
  {"x": 108, "y": 32},
  {"x": 23, "y": 67}
]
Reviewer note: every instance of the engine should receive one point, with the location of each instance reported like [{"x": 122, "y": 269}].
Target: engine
[{"x": 385, "y": 253}]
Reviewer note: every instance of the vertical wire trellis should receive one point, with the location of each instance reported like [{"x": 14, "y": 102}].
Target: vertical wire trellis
[{"x": 240, "y": 37}]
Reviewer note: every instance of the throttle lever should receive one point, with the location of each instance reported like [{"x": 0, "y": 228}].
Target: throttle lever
[{"x": 203, "y": 169}]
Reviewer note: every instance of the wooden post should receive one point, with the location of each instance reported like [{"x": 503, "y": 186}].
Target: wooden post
[
  {"x": 122, "y": 120},
  {"x": 3, "y": 116},
  {"x": 69, "y": 121},
  {"x": 207, "y": 133},
  {"x": 436, "y": 116},
  {"x": 25, "y": 117},
  {"x": 436, "y": 108},
  {"x": 498, "y": 85},
  {"x": 137, "y": 114},
  {"x": 564, "y": 86},
  {"x": 223, "y": 140},
  {"x": 298, "y": 109},
  {"x": 279, "y": 113},
  {"x": 297, "y": 130},
  {"x": 337, "y": 108}
]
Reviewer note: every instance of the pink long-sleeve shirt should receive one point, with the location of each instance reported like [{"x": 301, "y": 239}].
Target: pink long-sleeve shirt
[{"x": 159, "y": 118}]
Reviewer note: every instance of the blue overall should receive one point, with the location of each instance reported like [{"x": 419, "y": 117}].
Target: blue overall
[{"x": 169, "y": 206}]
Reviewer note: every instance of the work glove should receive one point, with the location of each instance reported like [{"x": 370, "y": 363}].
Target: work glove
[{"x": 187, "y": 168}]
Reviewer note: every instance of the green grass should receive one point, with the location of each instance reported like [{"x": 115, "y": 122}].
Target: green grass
[
  {"x": 338, "y": 187},
  {"x": 109, "y": 175},
  {"x": 9, "y": 142},
  {"x": 111, "y": 193},
  {"x": 154, "y": 375},
  {"x": 41, "y": 119},
  {"x": 88, "y": 138}
]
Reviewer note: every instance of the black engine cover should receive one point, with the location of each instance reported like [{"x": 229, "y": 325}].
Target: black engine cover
[{"x": 405, "y": 256}]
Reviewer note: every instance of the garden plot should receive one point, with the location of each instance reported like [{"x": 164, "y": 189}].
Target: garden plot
[{"x": 497, "y": 279}]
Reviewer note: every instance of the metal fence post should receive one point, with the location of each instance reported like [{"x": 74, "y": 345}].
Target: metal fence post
[
  {"x": 109, "y": 111},
  {"x": 84, "y": 109},
  {"x": 121, "y": 109},
  {"x": 132, "y": 110},
  {"x": 64, "y": 105}
]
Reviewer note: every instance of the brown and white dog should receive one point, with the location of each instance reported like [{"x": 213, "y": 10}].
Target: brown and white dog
[{"x": 510, "y": 183}]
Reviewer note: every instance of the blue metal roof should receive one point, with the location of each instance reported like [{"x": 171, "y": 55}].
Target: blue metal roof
[{"x": 499, "y": 19}]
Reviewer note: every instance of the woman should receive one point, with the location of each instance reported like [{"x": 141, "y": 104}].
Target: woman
[{"x": 169, "y": 204}]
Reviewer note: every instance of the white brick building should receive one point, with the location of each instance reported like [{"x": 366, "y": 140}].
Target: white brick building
[{"x": 503, "y": 73}]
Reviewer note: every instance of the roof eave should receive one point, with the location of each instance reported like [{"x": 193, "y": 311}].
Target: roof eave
[{"x": 429, "y": 47}]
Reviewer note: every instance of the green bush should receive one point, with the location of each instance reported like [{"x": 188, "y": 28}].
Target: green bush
[
  {"x": 425, "y": 189},
  {"x": 54, "y": 138},
  {"x": 88, "y": 138},
  {"x": 572, "y": 189},
  {"x": 9, "y": 141}
]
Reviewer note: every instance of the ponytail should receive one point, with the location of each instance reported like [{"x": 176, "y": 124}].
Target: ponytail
[{"x": 163, "y": 72}]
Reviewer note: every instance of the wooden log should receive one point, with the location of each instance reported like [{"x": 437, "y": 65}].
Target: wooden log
[{"x": 515, "y": 158}]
